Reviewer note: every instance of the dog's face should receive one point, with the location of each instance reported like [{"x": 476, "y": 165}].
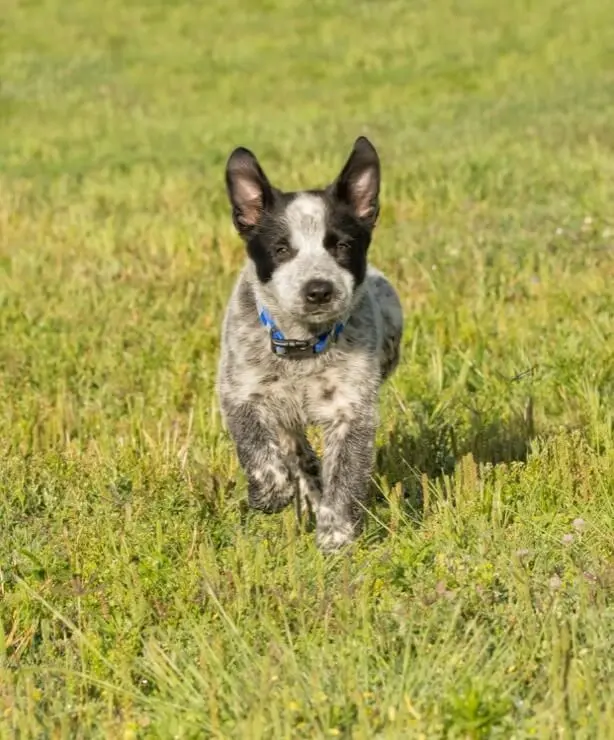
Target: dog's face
[{"x": 309, "y": 248}]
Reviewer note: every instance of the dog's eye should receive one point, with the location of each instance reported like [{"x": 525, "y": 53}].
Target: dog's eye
[
  {"x": 282, "y": 249},
  {"x": 341, "y": 249}
]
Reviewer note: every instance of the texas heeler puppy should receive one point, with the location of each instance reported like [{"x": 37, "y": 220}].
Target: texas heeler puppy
[{"x": 310, "y": 334}]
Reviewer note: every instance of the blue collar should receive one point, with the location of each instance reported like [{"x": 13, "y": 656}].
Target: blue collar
[{"x": 298, "y": 347}]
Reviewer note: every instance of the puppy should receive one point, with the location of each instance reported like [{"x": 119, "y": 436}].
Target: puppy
[{"x": 310, "y": 333}]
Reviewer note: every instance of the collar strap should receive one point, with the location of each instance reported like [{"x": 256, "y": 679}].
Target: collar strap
[{"x": 298, "y": 347}]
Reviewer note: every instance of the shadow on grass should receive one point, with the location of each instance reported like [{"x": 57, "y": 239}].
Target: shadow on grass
[{"x": 417, "y": 459}]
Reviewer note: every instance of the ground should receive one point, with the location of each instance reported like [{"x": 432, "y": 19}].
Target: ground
[{"x": 138, "y": 597}]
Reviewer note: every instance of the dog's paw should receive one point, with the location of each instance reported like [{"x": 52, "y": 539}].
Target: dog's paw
[
  {"x": 271, "y": 489},
  {"x": 333, "y": 532}
]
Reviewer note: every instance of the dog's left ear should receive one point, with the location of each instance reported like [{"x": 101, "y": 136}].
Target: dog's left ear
[{"x": 359, "y": 181}]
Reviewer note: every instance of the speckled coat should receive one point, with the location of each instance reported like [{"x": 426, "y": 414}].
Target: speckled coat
[{"x": 268, "y": 400}]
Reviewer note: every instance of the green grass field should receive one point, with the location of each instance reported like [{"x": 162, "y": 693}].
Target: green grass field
[{"x": 138, "y": 597}]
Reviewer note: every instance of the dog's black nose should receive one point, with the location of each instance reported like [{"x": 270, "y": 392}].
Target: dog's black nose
[{"x": 318, "y": 292}]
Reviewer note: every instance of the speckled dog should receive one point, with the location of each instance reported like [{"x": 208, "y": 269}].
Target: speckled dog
[{"x": 309, "y": 335}]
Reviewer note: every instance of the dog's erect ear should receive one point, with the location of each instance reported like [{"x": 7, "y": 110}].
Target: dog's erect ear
[
  {"x": 358, "y": 183},
  {"x": 249, "y": 190}
]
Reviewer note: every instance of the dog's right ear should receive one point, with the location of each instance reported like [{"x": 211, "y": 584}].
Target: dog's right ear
[{"x": 249, "y": 191}]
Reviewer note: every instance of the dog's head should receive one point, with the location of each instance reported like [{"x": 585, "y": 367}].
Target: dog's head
[{"x": 309, "y": 248}]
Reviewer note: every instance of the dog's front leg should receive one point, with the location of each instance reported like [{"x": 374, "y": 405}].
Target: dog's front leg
[
  {"x": 348, "y": 461},
  {"x": 267, "y": 455}
]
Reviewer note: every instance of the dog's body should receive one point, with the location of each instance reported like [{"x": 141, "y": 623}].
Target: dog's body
[{"x": 307, "y": 279}]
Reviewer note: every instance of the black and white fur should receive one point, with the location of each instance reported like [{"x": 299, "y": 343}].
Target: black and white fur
[{"x": 308, "y": 267}]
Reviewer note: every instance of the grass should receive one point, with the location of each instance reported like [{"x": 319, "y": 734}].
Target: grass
[{"x": 138, "y": 598}]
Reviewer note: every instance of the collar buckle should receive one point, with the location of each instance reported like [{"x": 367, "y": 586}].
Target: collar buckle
[{"x": 292, "y": 347}]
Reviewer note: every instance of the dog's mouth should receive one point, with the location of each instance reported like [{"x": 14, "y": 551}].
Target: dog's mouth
[
  {"x": 327, "y": 313},
  {"x": 319, "y": 321},
  {"x": 314, "y": 314}
]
